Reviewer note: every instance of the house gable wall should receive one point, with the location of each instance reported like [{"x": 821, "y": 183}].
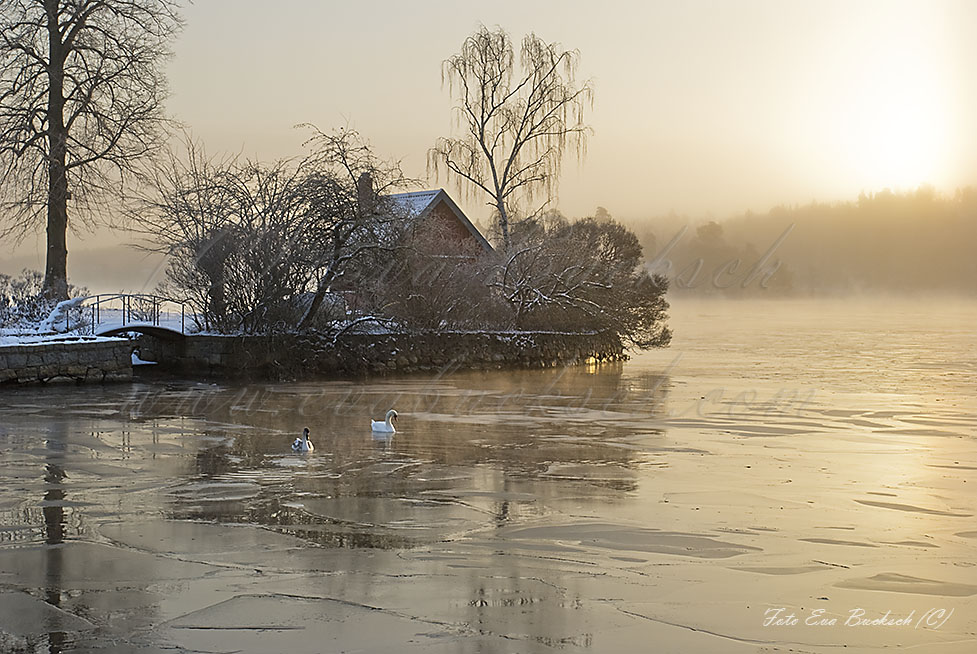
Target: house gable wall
[{"x": 442, "y": 232}]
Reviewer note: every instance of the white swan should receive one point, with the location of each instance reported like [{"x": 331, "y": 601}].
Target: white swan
[
  {"x": 387, "y": 426},
  {"x": 303, "y": 444}
]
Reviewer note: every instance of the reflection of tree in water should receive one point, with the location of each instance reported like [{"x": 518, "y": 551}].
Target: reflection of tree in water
[
  {"x": 214, "y": 461},
  {"x": 53, "y": 508},
  {"x": 536, "y": 602},
  {"x": 54, "y": 524},
  {"x": 542, "y": 435},
  {"x": 67, "y": 465},
  {"x": 502, "y": 513},
  {"x": 245, "y": 452},
  {"x": 477, "y": 453},
  {"x": 324, "y": 531},
  {"x": 48, "y": 523},
  {"x": 532, "y": 424},
  {"x": 269, "y": 507}
]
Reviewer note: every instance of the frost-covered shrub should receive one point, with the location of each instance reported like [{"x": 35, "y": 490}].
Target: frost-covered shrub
[
  {"x": 23, "y": 306},
  {"x": 584, "y": 275},
  {"x": 21, "y": 302}
]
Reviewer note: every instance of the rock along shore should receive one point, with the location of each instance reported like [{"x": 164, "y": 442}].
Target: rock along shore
[
  {"x": 67, "y": 361},
  {"x": 305, "y": 355},
  {"x": 289, "y": 356}
]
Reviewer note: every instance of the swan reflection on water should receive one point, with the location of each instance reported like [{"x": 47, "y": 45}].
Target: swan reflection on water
[{"x": 382, "y": 440}]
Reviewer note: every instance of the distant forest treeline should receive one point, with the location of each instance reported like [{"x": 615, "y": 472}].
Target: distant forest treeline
[{"x": 919, "y": 241}]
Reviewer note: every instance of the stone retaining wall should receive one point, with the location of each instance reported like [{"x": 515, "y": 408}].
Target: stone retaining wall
[
  {"x": 76, "y": 361},
  {"x": 289, "y": 356}
]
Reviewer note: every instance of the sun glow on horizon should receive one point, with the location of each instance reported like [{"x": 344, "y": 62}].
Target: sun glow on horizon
[
  {"x": 896, "y": 121},
  {"x": 897, "y": 142}
]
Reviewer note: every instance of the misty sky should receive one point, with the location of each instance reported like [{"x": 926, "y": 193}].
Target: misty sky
[{"x": 700, "y": 107}]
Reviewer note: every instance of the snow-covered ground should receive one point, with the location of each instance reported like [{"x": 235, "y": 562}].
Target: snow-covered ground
[
  {"x": 9, "y": 338},
  {"x": 74, "y": 320}
]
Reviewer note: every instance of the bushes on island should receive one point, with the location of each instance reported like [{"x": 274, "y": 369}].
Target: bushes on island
[{"x": 319, "y": 245}]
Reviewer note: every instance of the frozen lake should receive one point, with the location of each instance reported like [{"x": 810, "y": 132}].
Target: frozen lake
[{"x": 781, "y": 465}]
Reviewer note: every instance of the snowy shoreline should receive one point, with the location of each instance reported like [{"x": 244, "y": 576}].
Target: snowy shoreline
[{"x": 24, "y": 340}]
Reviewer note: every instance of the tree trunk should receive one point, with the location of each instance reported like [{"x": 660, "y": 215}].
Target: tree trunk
[
  {"x": 314, "y": 306},
  {"x": 329, "y": 276},
  {"x": 211, "y": 258},
  {"x": 320, "y": 294},
  {"x": 503, "y": 224},
  {"x": 56, "y": 270}
]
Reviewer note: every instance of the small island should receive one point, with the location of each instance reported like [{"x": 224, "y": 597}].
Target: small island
[{"x": 333, "y": 262}]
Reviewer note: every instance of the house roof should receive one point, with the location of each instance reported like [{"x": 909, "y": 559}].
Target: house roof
[{"x": 420, "y": 203}]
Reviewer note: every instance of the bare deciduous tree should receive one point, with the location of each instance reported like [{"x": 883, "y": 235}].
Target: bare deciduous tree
[
  {"x": 189, "y": 212},
  {"x": 81, "y": 92},
  {"x": 519, "y": 118},
  {"x": 352, "y": 216},
  {"x": 257, "y": 246}
]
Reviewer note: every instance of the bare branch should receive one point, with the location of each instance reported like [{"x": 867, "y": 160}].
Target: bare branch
[
  {"x": 81, "y": 109},
  {"x": 518, "y": 122}
]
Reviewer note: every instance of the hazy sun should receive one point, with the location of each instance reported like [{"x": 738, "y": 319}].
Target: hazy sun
[
  {"x": 897, "y": 141},
  {"x": 896, "y": 124}
]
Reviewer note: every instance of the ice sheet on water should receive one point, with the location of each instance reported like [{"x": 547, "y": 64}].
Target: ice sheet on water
[
  {"x": 286, "y": 623},
  {"x": 628, "y": 538},
  {"x": 94, "y": 566},
  {"x": 431, "y": 517},
  {"x": 217, "y": 491},
  {"x": 24, "y": 615},
  {"x": 195, "y": 538}
]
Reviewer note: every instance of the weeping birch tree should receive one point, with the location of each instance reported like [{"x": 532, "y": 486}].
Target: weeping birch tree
[
  {"x": 519, "y": 116},
  {"x": 81, "y": 105}
]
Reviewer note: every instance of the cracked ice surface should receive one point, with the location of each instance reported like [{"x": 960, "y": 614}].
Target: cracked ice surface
[{"x": 618, "y": 508}]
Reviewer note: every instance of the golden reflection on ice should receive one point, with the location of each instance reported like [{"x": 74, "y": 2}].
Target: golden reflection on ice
[{"x": 812, "y": 465}]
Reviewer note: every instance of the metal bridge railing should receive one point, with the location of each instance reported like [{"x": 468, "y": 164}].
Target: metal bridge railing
[{"x": 123, "y": 309}]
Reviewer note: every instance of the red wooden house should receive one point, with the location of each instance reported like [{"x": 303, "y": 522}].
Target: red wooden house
[{"x": 436, "y": 221}]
